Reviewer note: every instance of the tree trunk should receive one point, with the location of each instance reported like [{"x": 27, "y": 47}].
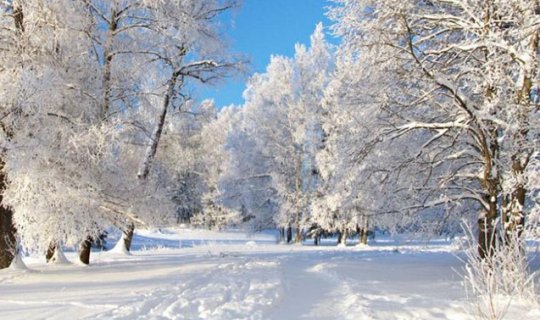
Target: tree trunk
[
  {"x": 487, "y": 231},
  {"x": 364, "y": 236},
  {"x": 339, "y": 236},
  {"x": 343, "y": 238},
  {"x": 281, "y": 235},
  {"x": 128, "y": 236},
  {"x": 8, "y": 244},
  {"x": 289, "y": 234},
  {"x": 298, "y": 236},
  {"x": 363, "y": 231},
  {"x": 84, "y": 251},
  {"x": 50, "y": 251},
  {"x": 107, "y": 65},
  {"x": 144, "y": 169},
  {"x": 317, "y": 239}
]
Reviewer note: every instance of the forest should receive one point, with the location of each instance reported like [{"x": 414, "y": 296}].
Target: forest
[{"x": 410, "y": 117}]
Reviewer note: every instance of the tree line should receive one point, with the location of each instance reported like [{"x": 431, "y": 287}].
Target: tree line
[{"x": 420, "y": 114}]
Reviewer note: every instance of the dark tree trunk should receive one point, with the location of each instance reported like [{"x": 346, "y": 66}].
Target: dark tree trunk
[
  {"x": 487, "y": 230},
  {"x": 289, "y": 234},
  {"x": 84, "y": 251},
  {"x": 8, "y": 244},
  {"x": 317, "y": 240},
  {"x": 128, "y": 236},
  {"x": 50, "y": 251},
  {"x": 339, "y": 235},
  {"x": 363, "y": 231},
  {"x": 281, "y": 234},
  {"x": 363, "y": 236}
]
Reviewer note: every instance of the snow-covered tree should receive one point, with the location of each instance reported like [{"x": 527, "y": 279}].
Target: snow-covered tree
[
  {"x": 351, "y": 189},
  {"x": 281, "y": 115},
  {"x": 12, "y": 30},
  {"x": 81, "y": 84},
  {"x": 463, "y": 74},
  {"x": 247, "y": 182},
  {"x": 142, "y": 39}
]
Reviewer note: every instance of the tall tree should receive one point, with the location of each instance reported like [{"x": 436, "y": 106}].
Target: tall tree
[
  {"x": 282, "y": 113},
  {"x": 12, "y": 22},
  {"x": 463, "y": 76},
  {"x": 173, "y": 49}
]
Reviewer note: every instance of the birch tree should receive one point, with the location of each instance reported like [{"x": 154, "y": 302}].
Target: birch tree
[{"x": 143, "y": 36}]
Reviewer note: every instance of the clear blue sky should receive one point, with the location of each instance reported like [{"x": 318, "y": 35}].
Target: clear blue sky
[{"x": 261, "y": 28}]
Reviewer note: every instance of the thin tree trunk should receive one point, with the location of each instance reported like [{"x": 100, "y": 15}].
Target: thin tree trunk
[
  {"x": 363, "y": 231},
  {"x": 107, "y": 65},
  {"x": 84, "y": 251},
  {"x": 364, "y": 236},
  {"x": 128, "y": 236},
  {"x": 343, "y": 239},
  {"x": 289, "y": 234},
  {"x": 298, "y": 237},
  {"x": 50, "y": 251},
  {"x": 144, "y": 170},
  {"x": 486, "y": 230},
  {"x": 339, "y": 235}
]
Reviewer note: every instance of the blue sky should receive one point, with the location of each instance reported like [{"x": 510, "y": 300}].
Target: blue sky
[{"x": 261, "y": 28}]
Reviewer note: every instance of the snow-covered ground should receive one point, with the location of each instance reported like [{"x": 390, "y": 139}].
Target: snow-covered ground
[{"x": 189, "y": 274}]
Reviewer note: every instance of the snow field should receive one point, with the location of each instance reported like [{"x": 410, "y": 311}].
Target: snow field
[{"x": 235, "y": 276}]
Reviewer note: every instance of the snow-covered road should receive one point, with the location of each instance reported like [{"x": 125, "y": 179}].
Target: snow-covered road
[{"x": 240, "y": 279}]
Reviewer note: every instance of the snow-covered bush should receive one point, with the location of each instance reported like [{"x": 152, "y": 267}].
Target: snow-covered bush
[{"x": 499, "y": 279}]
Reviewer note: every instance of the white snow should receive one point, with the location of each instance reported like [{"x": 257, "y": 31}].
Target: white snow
[
  {"x": 120, "y": 248},
  {"x": 193, "y": 274}
]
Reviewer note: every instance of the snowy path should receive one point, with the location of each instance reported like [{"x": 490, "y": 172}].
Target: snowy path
[
  {"x": 228, "y": 280},
  {"x": 156, "y": 287},
  {"x": 370, "y": 285}
]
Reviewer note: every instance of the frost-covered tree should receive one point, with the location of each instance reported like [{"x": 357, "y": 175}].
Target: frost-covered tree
[
  {"x": 351, "y": 191},
  {"x": 215, "y": 158},
  {"x": 198, "y": 136},
  {"x": 12, "y": 31},
  {"x": 464, "y": 74},
  {"x": 247, "y": 182},
  {"x": 39, "y": 98},
  {"x": 281, "y": 115},
  {"x": 143, "y": 38},
  {"x": 81, "y": 84}
]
